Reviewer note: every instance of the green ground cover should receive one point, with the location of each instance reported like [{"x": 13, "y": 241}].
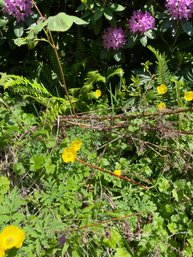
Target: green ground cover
[{"x": 96, "y": 116}]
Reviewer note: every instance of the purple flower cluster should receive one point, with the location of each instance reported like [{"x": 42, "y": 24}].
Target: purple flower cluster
[
  {"x": 20, "y": 9},
  {"x": 113, "y": 38},
  {"x": 180, "y": 9},
  {"x": 140, "y": 22}
]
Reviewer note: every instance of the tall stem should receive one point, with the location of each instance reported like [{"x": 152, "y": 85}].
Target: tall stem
[{"x": 53, "y": 45}]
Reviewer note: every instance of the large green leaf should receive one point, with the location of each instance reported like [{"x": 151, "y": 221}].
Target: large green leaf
[{"x": 62, "y": 22}]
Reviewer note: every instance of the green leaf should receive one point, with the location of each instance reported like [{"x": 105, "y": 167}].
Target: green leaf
[
  {"x": 108, "y": 14},
  {"x": 163, "y": 185},
  {"x": 18, "y": 168},
  {"x": 190, "y": 241},
  {"x": 149, "y": 34},
  {"x": 1, "y": 3},
  {"x": 62, "y": 22},
  {"x": 98, "y": 14},
  {"x": 38, "y": 27},
  {"x": 117, "y": 56},
  {"x": 117, "y": 72},
  {"x": 122, "y": 252},
  {"x": 20, "y": 41},
  {"x": 4, "y": 185},
  {"x": 143, "y": 40},
  {"x": 37, "y": 162},
  {"x": 19, "y": 29},
  {"x": 165, "y": 25},
  {"x": 49, "y": 166},
  {"x": 173, "y": 228},
  {"x": 3, "y": 22},
  {"x": 187, "y": 28},
  {"x": 114, "y": 240},
  {"x": 117, "y": 7}
]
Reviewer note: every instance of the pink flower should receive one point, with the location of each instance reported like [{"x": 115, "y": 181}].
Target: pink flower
[
  {"x": 20, "y": 9},
  {"x": 180, "y": 9},
  {"x": 113, "y": 38},
  {"x": 140, "y": 22}
]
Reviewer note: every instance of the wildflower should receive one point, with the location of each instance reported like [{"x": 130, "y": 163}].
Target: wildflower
[
  {"x": 76, "y": 144},
  {"x": 113, "y": 38},
  {"x": 161, "y": 106},
  {"x": 2, "y": 253},
  {"x": 162, "y": 89},
  {"x": 62, "y": 239},
  {"x": 11, "y": 236},
  {"x": 188, "y": 96},
  {"x": 20, "y": 9},
  {"x": 69, "y": 154},
  {"x": 140, "y": 22},
  {"x": 180, "y": 9},
  {"x": 117, "y": 172},
  {"x": 98, "y": 93}
]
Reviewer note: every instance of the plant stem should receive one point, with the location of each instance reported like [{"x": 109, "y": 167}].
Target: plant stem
[
  {"x": 111, "y": 173},
  {"x": 53, "y": 45}
]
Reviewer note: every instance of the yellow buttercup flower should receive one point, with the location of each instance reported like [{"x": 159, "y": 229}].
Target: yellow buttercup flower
[
  {"x": 76, "y": 144},
  {"x": 161, "y": 106},
  {"x": 188, "y": 96},
  {"x": 11, "y": 236},
  {"x": 117, "y": 172},
  {"x": 69, "y": 154},
  {"x": 2, "y": 253},
  {"x": 162, "y": 89},
  {"x": 98, "y": 93}
]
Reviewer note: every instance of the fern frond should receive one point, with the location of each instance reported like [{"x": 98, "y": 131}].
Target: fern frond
[
  {"x": 163, "y": 74},
  {"x": 23, "y": 86}
]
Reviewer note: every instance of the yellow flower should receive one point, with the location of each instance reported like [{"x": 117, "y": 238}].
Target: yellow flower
[
  {"x": 97, "y": 93},
  {"x": 69, "y": 154},
  {"x": 161, "y": 106},
  {"x": 188, "y": 96},
  {"x": 76, "y": 144},
  {"x": 162, "y": 89},
  {"x": 11, "y": 236},
  {"x": 117, "y": 172},
  {"x": 2, "y": 253}
]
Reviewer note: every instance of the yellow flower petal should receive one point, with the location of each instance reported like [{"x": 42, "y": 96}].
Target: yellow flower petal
[
  {"x": 76, "y": 144},
  {"x": 98, "y": 93},
  {"x": 11, "y": 236},
  {"x": 188, "y": 96},
  {"x": 117, "y": 172},
  {"x": 2, "y": 253},
  {"x": 161, "y": 106},
  {"x": 162, "y": 89},
  {"x": 69, "y": 154}
]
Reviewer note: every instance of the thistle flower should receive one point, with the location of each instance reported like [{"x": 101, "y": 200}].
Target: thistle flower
[
  {"x": 140, "y": 22},
  {"x": 180, "y": 9},
  {"x": 162, "y": 89},
  {"x": 117, "y": 172},
  {"x": 113, "y": 38},
  {"x": 188, "y": 96},
  {"x": 76, "y": 144},
  {"x": 69, "y": 154},
  {"x": 11, "y": 236},
  {"x": 19, "y": 9},
  {"x": 161, "y": 106}
]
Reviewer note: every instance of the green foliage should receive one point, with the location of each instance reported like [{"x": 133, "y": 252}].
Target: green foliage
[
  {"x": 163, "y": 75},
  {"x": 62, "y": 22},
  {"x": 48, "y": 99}
]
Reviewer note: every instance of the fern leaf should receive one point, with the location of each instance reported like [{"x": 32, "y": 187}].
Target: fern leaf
[
  {"x": 163, "y": 74},
  {"x": 23, "y": 86}
]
